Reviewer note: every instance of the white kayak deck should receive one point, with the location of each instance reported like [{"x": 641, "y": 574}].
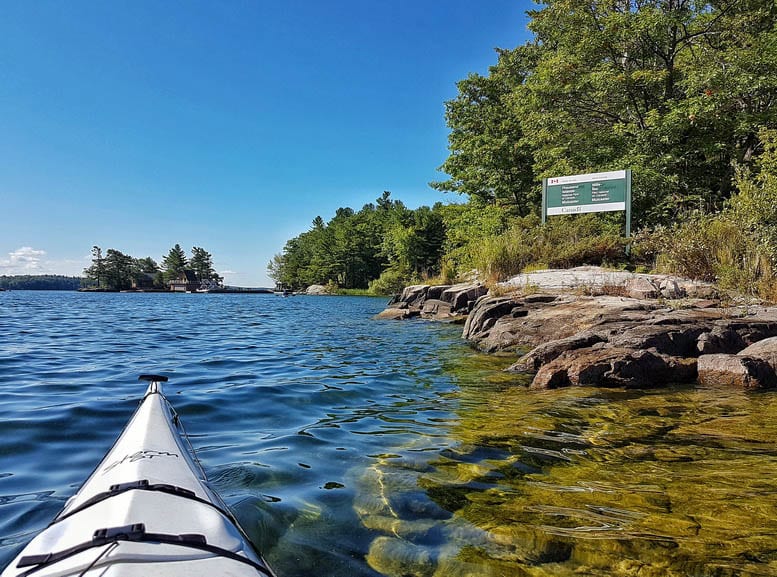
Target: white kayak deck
[{"x": 146, "y": 510}]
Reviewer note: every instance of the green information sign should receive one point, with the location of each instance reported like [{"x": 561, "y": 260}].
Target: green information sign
[{"x": 594, "y": 192}]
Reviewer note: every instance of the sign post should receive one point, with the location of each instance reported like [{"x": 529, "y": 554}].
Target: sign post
[{"x": 594, "y": 192}]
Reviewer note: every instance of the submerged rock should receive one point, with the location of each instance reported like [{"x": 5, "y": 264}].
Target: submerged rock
[
  {"x": 397, "y": 313},
  {"x": 547, "y": 352},
  {"x": 395, "y": 556},
  {"x": 614, "y": 367}
]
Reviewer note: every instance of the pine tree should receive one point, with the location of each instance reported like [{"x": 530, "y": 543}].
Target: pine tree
[
  {"x": 96, "y": 272},
  {"x": 202, "y": 265},
  {"x": 174, "y": 263}
]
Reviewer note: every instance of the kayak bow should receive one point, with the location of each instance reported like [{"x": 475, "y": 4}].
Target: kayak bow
[{"x": 147, "y": 509}]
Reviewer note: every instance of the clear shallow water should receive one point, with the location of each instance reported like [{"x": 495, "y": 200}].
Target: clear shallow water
[{"x": 349, "y": 446}]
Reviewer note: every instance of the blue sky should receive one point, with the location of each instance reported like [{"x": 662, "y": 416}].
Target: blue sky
[{"x": 228, "y": 125}]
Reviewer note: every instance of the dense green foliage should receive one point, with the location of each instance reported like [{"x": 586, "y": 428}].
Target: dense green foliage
[
  {"x": 115, "y": 270},
  {"x": 53, "y": 282},
  {"x": 737, "y": 246},
  {"x": 675, "y": 90},
  {"x": 355, "y": 248},
  {"x": 680, "y": 91},
  {"x": 174, "y": 263},
  {"x": 491, "y": 159},
  {"x": 202, "y": 265}
]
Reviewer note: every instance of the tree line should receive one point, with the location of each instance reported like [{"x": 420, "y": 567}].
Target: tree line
[
  {"x": 355, "y": 247},
  {"x": 114, "y": 270},
  {"x": 53, "y": 282},
  {"x": 682, "y": 92}
]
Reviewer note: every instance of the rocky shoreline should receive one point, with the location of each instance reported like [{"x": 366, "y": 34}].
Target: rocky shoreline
[{"x": 591, "y": 327}]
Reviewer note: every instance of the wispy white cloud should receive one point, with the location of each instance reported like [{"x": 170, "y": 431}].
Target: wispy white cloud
[
  {"x": 24, "y": 260},
  {"x": 29, "y": 260}
]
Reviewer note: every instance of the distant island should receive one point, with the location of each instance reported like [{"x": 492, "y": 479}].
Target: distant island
[
  {"x": 49, "y": 282},
  {"x": 115, "y": 271}
]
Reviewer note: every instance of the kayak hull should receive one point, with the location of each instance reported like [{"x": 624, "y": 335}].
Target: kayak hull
[{"x": 147, "y": 509}]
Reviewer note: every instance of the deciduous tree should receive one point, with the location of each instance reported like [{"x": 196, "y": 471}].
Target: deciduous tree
[{"x": 490, "y": 159}]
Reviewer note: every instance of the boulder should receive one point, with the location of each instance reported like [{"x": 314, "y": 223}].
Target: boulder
[
  {"x": 670, "y": 289},
  {"x": 486, "y": 312},
  {"x": 396, "y": 313},
  {"x": 677, "y": 341},
  {"x": 614, "y": 367},
  {"x": 736, "y": 370},
  {"x": 721, "y": 339},
  {"x": 641, "y": 288},
  {"x": 414, "y": 294},
  {"x": 765, "y": 349},
  {"x": 462, "y": 296},
  {"x": 436, "y": 308},
  {"x": 317, "y": 289},
  {"x": 698, "y": 289}
]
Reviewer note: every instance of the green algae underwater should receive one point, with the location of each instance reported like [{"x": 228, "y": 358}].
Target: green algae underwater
[{"x": 580, "y": 482}]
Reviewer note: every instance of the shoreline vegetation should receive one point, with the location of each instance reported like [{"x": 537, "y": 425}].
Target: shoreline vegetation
[{"x": 682, "y": 94}]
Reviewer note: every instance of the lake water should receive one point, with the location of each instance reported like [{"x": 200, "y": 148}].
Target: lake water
[{"x": 348, "y": 446}]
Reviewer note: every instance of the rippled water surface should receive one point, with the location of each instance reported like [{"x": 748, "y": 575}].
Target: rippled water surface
[{"x": 355, "y": 447}]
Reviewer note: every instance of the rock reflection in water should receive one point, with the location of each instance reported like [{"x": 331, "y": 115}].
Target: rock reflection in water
[{"x": 581, "y": 482}]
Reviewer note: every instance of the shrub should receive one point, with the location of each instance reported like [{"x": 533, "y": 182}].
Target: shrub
[
  {"x": 561, "y": 242},
  {"x": 715, "y": 248},
  {"x": 390, "y": 282},
  {"x": 498, "y": 257},
  {"x": 754, "y": 206},
  {"x": 737, "y": 247}
]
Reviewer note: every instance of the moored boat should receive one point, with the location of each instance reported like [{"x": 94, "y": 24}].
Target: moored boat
[{"x": 146, "y": 510}]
